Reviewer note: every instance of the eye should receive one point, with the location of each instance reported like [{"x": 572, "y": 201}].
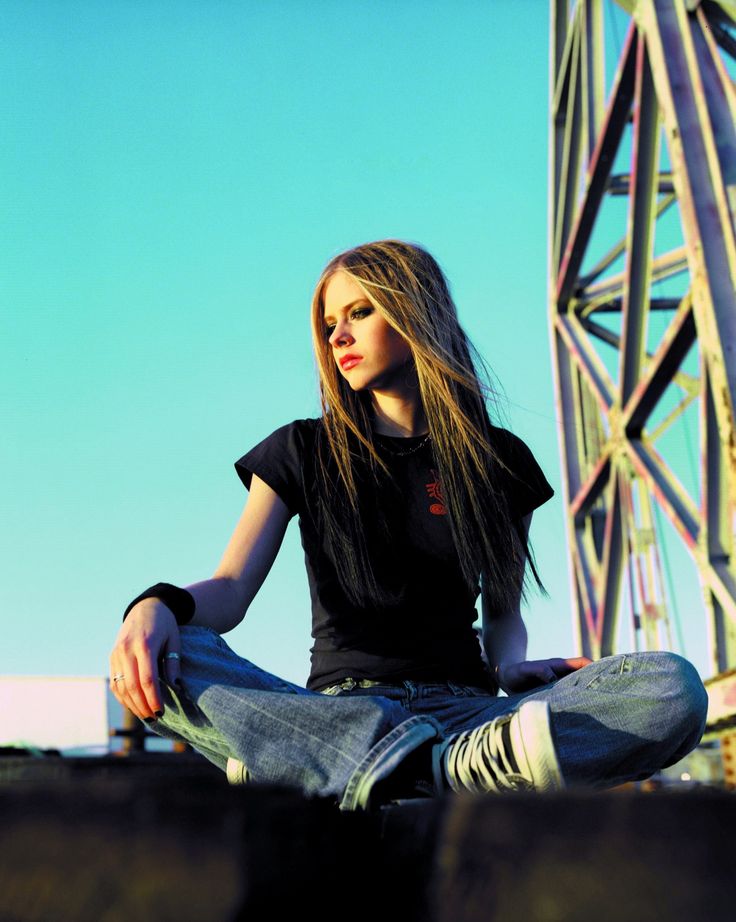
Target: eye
[{"x": 360, "y": 312}]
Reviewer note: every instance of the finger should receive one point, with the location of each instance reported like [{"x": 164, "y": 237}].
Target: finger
[
  {"x": 122, "y": 695},
  {"x": 116, "y": 676},
  {"x": 111, "y": 673},
  {"x": 134, "y": 695},
  {"x": 564, "y": 666},
  {"x": 122, "y": 692},
  {"x": 123, "y": 678},
  {"x": 546, "y": 674},
  {"x": 577, "y": 662},
  {"x": 127, "y": 701},
  {"x": 146, "y": 690},
  {"x": 118, "y": 684}
]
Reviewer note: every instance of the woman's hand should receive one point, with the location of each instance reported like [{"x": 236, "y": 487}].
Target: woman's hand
[
  {"x": 148, "y": 633},
  {"x": 521, "y": 677}
]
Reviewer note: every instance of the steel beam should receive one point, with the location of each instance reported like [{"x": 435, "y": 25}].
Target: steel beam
[
  {"x": 575, "y": 243},
  {"x": 645, "y": 156},
  {"x": 672, "y": 349},
  {"x": 671, "y": 82}
]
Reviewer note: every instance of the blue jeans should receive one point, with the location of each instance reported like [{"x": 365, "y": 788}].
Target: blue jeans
[{"x": 619, "y": 719}]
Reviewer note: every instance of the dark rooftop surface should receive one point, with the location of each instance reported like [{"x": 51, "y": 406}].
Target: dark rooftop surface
[{"x": 164, "y": 837}]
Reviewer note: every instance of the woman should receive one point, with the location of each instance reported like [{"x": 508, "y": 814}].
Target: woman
[{"x": 410, "y": 504}]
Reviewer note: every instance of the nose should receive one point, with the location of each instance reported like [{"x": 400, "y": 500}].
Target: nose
[{"x": 340, "y": 336}]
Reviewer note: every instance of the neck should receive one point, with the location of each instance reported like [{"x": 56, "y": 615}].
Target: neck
[{"x": 398, "y": 415}]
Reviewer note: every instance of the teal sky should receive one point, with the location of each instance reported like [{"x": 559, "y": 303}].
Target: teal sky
[{"x": 176, "y": 174}]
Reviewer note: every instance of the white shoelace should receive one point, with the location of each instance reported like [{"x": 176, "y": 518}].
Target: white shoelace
[{"x": 476, "y": 760}]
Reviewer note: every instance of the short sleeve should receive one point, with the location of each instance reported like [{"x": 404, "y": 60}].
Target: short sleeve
[
  {"x": 279, "y": 461},
  {"x": 523, "y": 480}
]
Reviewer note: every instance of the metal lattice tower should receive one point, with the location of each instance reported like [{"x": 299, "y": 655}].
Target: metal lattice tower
[{"x": 643, "y": 310}]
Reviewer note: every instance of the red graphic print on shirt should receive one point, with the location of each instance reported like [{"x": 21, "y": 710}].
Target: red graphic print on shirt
[{"x": 434, "y": 490}]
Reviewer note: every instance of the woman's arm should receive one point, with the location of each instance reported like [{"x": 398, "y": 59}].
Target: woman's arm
[
  {"x": 505, "y": 640},
  {"x": 150, "y": 630},
  {"x": 221, "y": 602},
  {"x": 504, "y": 632}
]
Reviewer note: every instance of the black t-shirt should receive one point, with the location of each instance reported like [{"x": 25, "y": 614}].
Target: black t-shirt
[{"x": 427, "y": 633}]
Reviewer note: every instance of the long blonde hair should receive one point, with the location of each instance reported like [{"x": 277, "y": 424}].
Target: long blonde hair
[{"x": 406, "y": 285}]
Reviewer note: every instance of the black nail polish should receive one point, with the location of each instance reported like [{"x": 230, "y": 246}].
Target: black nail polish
[
  {"x": 159, "y": 714},
  {"x": 148, "y": 720}
]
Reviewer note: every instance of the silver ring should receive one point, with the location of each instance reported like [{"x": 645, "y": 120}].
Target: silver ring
[
  {"x": 171, "y": 655},
  {"x": 118, "y": 677}
]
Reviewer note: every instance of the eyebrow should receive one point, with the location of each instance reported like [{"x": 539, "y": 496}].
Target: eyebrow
[{"x": 347, "y": 307}]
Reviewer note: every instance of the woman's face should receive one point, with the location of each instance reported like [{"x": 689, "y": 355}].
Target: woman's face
[{"x": 369, "y": 353}]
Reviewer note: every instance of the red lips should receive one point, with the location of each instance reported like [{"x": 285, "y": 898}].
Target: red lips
[{"x": 349, "y": 358}]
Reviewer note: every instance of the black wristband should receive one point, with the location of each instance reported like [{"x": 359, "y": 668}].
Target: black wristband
[{"x": 179, "y": 602}]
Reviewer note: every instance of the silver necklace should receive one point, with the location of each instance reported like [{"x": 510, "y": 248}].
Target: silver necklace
[{"x": 408, "y": 451}]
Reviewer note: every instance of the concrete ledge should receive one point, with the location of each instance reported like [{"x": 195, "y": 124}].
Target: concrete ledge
[
  {"x": 173, "y": 841},
  {"x": 586, "y": 856}
]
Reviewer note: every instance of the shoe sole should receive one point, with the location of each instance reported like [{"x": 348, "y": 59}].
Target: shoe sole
[
  {"x": 236, "y": 772},
  {"x": 533, "y": 735}
]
